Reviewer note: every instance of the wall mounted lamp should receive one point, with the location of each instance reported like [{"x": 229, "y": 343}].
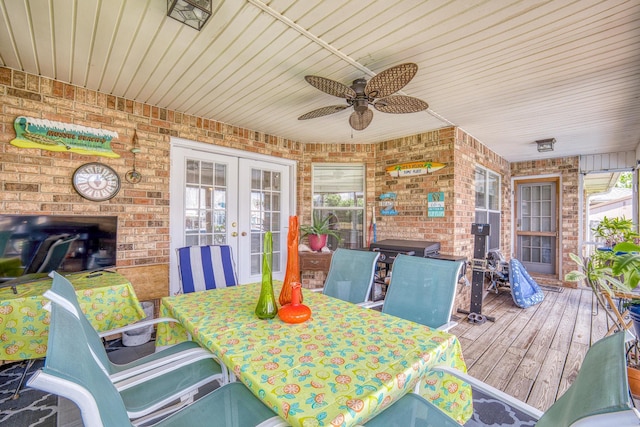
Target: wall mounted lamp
[
  {"x": 193, "y": 13},
  {"x": 545, "y": 144}
]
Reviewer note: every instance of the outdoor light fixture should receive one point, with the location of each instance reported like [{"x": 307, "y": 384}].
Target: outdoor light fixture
[
  {"x": 545, "y": 144},
  {"x": 194, "y": 13}
]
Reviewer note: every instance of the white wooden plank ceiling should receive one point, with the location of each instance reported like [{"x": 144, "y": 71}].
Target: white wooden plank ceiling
[{"x": 508, "y": 72}]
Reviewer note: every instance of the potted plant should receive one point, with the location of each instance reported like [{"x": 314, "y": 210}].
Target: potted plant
[
  {"x": 614, "y": 269},
  {"x": 318, "y": 231}
]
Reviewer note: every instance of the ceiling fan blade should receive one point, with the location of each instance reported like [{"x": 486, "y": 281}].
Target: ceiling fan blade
[
  {"x": 399, "y": 104},
  {"x": 331, "y": 87},
  {"x": 391, "y": 80},
  {"x": 359, "y": 121},
  {"x": 324, "y": 111}
]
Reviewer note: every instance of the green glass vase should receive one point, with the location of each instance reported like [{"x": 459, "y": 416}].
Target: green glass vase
[{"x": 266, "y": 307}]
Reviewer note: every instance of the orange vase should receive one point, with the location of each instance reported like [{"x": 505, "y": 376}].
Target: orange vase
[
  {"x": 292, "y": 273},
  {"x": 295, "y": 312}
]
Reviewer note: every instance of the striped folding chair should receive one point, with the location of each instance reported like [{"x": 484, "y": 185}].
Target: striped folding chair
[{"x": 206, "y": 267}]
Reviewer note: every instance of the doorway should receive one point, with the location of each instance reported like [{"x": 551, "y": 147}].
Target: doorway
[
  {"x": 537, "y": 224},
  {"x": 229, "y": 197}
]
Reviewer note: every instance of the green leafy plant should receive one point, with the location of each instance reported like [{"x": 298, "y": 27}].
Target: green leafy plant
[
  {"x": 319, "y": 227},
  {"x": 614, "y": 268},
  {"x": 616, "y": 230}
]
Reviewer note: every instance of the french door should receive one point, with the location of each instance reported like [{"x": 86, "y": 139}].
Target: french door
[
  {"x": 220, "y": 198},
  {"x": 537, "y": 225}
]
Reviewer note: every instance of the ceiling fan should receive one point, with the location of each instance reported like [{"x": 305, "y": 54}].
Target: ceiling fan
[{"x": 379, "y": 92}]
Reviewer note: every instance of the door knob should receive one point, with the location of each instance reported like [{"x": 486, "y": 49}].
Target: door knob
[
  {"x": 244, "y": 233},
  {"x": 234, "y": 234}
]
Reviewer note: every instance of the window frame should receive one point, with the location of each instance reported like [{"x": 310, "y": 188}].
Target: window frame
[
  {"x": 357, "y": 193},
  {"x": 493, "y": 239}
]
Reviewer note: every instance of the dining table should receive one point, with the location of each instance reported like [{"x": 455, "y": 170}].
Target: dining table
[
  {"x": 107, "y": 299},
  {"x": 341, "y": 367}
]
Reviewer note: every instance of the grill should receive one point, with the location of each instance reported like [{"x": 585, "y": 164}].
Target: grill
[{"x": 389, "y": 249}]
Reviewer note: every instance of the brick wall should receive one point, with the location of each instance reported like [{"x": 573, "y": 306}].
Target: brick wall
[
  {"x": 567, "y": 169},
  {"x": 39, "y": 181}
]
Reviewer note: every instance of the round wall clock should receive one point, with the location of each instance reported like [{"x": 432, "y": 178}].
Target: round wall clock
[{"x": 96, "y": 182}]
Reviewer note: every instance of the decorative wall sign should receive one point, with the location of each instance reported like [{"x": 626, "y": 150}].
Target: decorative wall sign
[
  {"x": 414, "y": 168},
  {"x": 435, "y": 204},
  {"x": 59, "y": 136},
  {"x": 388, "y": 200}
]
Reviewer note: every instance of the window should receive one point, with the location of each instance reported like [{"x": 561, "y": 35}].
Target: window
[
  {"x": 338, "y": 191},
  {"x": 488, "y": 204}
]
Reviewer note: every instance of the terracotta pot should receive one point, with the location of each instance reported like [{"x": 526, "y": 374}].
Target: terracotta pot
[
  {"x": 634, "y": 380},
  {"x": 317, "y": 241}
]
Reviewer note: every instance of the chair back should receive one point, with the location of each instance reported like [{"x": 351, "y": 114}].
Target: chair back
[
  {"x": 422, "y": 289},
  {"x": 50, "y": 254},
  {"x": 601, "y": 386},
  {"x": 351, "y": 274},
  {"x": 206, "y": 267},
  {"x": 70, "y": 362},
  {"x": 63, "y": 293}
]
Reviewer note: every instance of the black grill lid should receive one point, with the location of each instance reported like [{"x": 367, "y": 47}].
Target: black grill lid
[{"x": 420, "y": 247}]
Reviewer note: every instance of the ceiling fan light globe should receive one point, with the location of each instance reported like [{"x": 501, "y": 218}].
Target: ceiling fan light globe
[{"x": 360, "y": 121}]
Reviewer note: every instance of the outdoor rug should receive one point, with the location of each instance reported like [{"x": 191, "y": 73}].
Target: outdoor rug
[{"x": 33, "y": 407}]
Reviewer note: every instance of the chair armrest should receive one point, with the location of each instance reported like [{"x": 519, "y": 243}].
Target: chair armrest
[
  {"x": 157, "y": 368},
  {"x": 273, "y": 422},
  {"x": 371, "y": 304},
  {"x": 492, "y": 391},
  {"x": 137, "y": 325},
  {"x": 447, "y": 326}
]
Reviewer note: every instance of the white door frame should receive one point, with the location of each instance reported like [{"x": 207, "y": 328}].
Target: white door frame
[{"x": 175, "y": 195}]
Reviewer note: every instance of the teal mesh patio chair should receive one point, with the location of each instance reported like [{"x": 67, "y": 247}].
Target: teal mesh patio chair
[
  {"x": 350, "y": 275},
  {"x": 412, "y": 410},
  {"x": 598, "y": 397},
  {"x": 187, "y": 364},
  {"x": 71, "y": 371},
  {"x": 422, "y": 290}
]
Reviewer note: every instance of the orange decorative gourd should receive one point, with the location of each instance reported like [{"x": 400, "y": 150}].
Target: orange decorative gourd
[
  {"x": 295, "y": 312},
  {"x": 292, "y": 273}
]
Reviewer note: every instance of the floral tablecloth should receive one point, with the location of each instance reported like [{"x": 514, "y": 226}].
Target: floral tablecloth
[
  {"x": 108, "y": 300},
  {"x": 340, "y": 368}
]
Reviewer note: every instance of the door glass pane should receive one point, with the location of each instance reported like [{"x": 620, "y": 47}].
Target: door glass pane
[
  {"x": 205, "y": 205},
  {"x": 265, "y": 216}
]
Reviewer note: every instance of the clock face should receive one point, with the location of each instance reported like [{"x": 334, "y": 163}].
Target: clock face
[{"x": 96, "y": 181}]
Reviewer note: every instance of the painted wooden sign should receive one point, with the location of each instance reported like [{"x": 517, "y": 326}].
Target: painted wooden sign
[
  {"x": 414, "y": 168},
  {"x": 435, "y": 204},
  {"x": 59, "y": 136}
]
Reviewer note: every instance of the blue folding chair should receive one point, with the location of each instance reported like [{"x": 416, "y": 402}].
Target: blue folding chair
[{"x": 206, "y": 267}]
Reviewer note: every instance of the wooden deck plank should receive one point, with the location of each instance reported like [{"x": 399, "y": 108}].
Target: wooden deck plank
[{"x": 532, "y": 354}]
